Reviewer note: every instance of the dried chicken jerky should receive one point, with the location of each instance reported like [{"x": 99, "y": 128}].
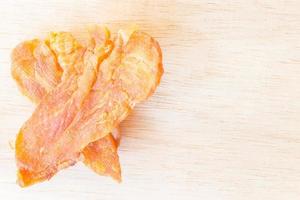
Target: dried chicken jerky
[
  {"x": 29, "y": 57},
  {"x": 68, "y": 51},
  {"x": 71, "y": 91},
  {"x": 87, "y": 112}
]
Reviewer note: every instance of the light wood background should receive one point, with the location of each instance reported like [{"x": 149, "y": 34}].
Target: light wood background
[{"x": 225, "y": 122}]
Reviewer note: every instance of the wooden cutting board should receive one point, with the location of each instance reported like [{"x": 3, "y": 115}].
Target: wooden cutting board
[{"x": 224, "y": 123}]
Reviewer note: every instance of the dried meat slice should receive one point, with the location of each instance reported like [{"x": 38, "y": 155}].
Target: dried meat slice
[
  {"x": 128, "y": 76},
  {"x": 68, "y": 51},
  {"x": 26, "y": 58},
  {"x": 54, "y": 113}
]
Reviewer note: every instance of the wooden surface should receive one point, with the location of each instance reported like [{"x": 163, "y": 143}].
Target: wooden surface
[{"x": 225, "y": 122}]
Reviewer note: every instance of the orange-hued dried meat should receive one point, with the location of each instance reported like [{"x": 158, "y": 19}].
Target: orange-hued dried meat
[
  {"x": 110, "y": 78},
  {"x": 102, "y": 157},
  {"x": 60, "y": 51},
  {"x": 35, "y": 69}
]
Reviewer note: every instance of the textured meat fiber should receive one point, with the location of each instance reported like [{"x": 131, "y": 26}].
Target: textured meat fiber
[
  {"x": 35, "y": 69},
  {"x": 60, "y": 51},
  {"x": 27, "y": 58},
  {"x": 79, "y": 111}
]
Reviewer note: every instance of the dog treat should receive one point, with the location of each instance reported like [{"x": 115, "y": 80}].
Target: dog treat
[
  {"x": 81, "y": 100},
  {"x": 37, "y": 67}
]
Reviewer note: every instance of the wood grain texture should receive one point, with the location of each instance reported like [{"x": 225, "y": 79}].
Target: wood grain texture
[{"x": 224, "y": 124}]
